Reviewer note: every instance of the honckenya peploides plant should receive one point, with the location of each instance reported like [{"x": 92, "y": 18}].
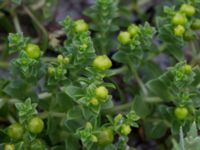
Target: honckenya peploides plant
[{"x": 105, "y": 87}]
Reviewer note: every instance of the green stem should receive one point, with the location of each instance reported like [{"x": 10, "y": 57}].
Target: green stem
[
  {"x": 117, "y": 71},
  {"x": 137, "y": 9},
  {"x": 4, "y": 65},
  {"x": 195, "y": 54},
  {"x": 121, "y": 93},
  {"x": 6, "y": 2},
  {"x": 38, "y": 24},
  {"x": 11, "y": 119},
  {"x": 120, "y": 108},
  {"x": 138, "y": 79},
  {"x": 153, "y": 99},
  {"x": 194, "y": 50},
  {"x": 49, "y": 59},
  {"x": 44, "y": 95},
  {"x": 114, "y": 72},
  {"x": 140, "y": 82},
  {"x": 38, "y": 5},
  {"x": 159, "y": 120},
  {"x": 142, "y": 2},
  {"x": 53, "y": 114},
  {"x": 14, "y": 101},
  {"x": 16, "y": 22},
  {"x": 162, "y": 47}
]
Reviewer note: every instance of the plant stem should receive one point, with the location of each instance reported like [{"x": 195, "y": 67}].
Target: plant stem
[
  {"x": 194, "y": 50},
  {"x": 140, "y": 82},
  {"x": 4, "y": 65},
  {"x": 16, "y": 22},
  {"x": 53, "y": 114},
  {"x": 49, "y": 59},
  {"x": 38, "y": 24},
  {"x": 44, "y": 95},
  {"x": 138, "y": 79},
  {"x": 137, "y": 9},
  {"x": 153, "y": 99},
  {"x": 11, "y": 119},
  {"x": 38, "y": 5},
  {"x": 195, "y": 54},
  {"x": 167, "y": 123},
  {"x": 121, "y": 94},
  {"x": 119, "y": 108},
  {"x": 117, "y": 71},
  {"x": 4, "y": 4}
]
